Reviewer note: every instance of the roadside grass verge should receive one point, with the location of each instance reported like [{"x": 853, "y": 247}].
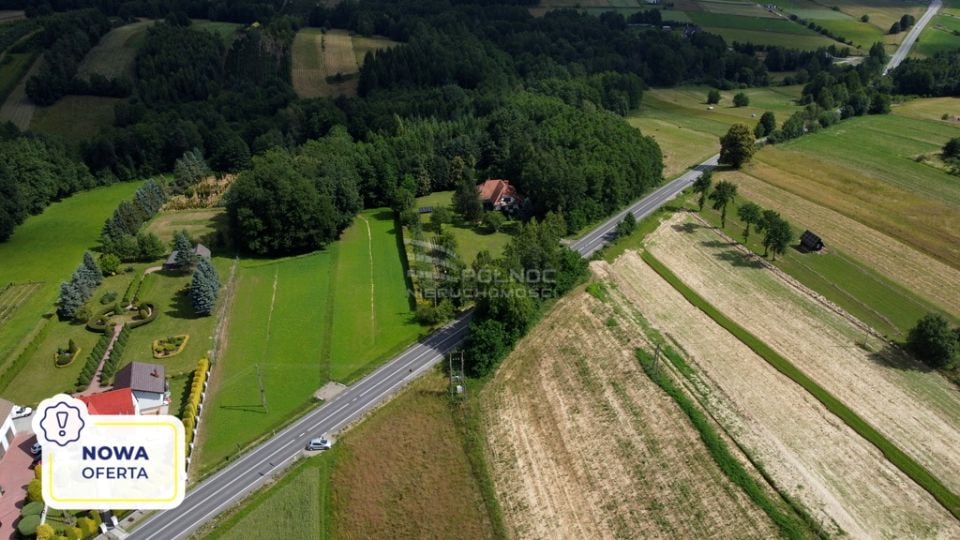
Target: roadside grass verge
[
  {"x": 897, "y": 457},
  {"x": 789, "y": 526}
]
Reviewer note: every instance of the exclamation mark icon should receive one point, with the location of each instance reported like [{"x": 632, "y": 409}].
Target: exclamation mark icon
[{"x": 62, "y": 422}]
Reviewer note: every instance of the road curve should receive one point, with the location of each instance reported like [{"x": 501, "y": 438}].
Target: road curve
[
  {"x": 241, "y": 477},
  {"x": 904, "y": 49}
]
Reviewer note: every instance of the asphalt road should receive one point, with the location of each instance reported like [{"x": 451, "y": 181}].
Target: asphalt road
[
  {"x": 243, "y": 476},
  {"x": 234, "y": 482},
  {"x": 904, "y": 49},
  {"x": 597, "y": 238}
]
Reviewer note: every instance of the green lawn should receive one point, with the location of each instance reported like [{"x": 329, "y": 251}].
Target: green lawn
[
  {"x": 167, "y": 290},
  {"x": 226, "y": 30},
  {"x": 757, "y": 23},
  {"x": 471, "y": 239},
  {"x": 304, "y": 321},
  {"x": 48, "y": 248}
]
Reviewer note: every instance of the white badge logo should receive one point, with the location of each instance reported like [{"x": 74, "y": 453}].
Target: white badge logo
[{"x": 109, "y": 461}]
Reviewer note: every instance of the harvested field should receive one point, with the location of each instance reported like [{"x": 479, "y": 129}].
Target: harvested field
[
  {"x": 931, "y": 279},
  {"x": 583, "y": 444},
  {"x": 8, "y": 16},
  {"x": 18, "y": 108},
  {"x": 915, "y": 408},
  {"x": 113, "y": 57},
  {"x": 843, "y": 481}
]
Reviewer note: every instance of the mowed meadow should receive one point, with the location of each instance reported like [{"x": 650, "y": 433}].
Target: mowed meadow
[{"x": 298, "y": 323}]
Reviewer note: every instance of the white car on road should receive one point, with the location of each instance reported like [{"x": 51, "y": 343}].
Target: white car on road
[
  {"x": 319, "y": 443},
  {"x": 21, "y": 412}
]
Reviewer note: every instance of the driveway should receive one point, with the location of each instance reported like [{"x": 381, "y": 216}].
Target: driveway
[{"x": 15, "y": 474}]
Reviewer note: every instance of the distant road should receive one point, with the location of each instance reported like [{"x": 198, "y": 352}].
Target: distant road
[
  {"x": 904, "y": 49},
  {"x": 248, "y": 472},
  {"x": 599, "y": 237}
]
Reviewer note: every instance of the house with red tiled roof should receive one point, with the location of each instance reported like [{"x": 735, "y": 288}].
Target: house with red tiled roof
[
  {"x": 497, "y": 194},
  {"x": 113, "y": 402}
]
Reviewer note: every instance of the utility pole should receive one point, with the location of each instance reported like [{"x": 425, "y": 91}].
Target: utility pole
[{"x": 656, "y": 359}]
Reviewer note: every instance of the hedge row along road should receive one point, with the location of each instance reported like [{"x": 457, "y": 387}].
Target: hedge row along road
[
  {"x": 904, "y": 49},
  {"x": 245, "y": 475}
]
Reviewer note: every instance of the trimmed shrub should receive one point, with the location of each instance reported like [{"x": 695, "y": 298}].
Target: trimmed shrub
[
  {"x": 73, "y": 533},
  {"x": 28, "y": 525},
  {"x": 33, "y": 490},
  {"x": 34, "y": 508},
  {"x": 87, "y": 526},
  {"x": 45, "y": 532}
]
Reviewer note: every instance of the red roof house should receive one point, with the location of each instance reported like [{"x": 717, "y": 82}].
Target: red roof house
[
  {"x": 499, "y": 195},
  {"x": 113, "y": 402}
]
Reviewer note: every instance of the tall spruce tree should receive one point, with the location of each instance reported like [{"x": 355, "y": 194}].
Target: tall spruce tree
[
  {"x": 204, "y": 288},
  {"x": 184, "y": 248},
  {"x": 91, "y": 270},
  {"x": 71, "y": 300}
]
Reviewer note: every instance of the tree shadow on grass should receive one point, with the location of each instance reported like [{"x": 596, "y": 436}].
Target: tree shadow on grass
[
  {"x": 245, "y": 408},
  {"x": 893, "y": 356},
  {"x": 740, "y": 259},
  {"x": 689, "y": 227},
  {"x": 182, "y": 308}
]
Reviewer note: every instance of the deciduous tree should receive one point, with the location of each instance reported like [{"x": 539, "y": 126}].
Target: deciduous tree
[
  {"x": 722, "y": 197},
  {"x": 750, "y": 213},
  {"x": 933, "y": 342},
  {"x": 702, "y": 185},
  {"x": 737, "y": 146}
]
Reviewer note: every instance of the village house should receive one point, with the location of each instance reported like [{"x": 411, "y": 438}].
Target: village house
[
  {"x": 172, "y": 264},
  {"x": 148, "y": 384},
  {"x": 113, "y": 402},
  {"x": 499, "y": 195}
]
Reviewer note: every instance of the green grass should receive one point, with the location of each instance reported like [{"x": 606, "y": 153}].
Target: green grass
[
  {"x": 47, "y": 248},
  {"x": 299, "y": 502},
  {"x": 115, "y": 54},
  {"x": 939, "y": 35},
  {"x": 225, "y": 30},
  {"x": 885, "y": 148},
  {"x": 77, "y": 119},
  {"x": 688, "y": 132},
  {"x": 789, "y": 525},
  {"x": 893, "y": 454},
  {"x": 471, "y": 239},
  {"x": 861, "y": 291},
  {"x": 167, "y": 290},
  {"x": 372, "y": 316},
  {"x": 314, "y": 326},
  {"x": 635, "y": 240},
  {"x": 809, "y": 41},
  {"x": 737, "y": 22},
  {"x": 12, "y": 68},
  {"x": 306, "y": 49}
]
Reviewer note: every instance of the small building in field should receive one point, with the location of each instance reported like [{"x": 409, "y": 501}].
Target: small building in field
[
  {"x": 7, "y": 430},
  {"x": 114, "y": 402},
  {"x": 149, "y": 386},
  {"x": 496, "y": 194},
  {"x": 199, "y": 251},
  {"x": 810, "y": 241}
]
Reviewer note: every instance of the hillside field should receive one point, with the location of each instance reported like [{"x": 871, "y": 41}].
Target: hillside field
[
  {"x": 942, "y": 32},
  {"x": 319, "y": 57},
  {"x": 842, "y": 480},
  {"x": 582, "y": 444},
  {"x": 114, "y": 56},
  {"x": 401, "y": 473},
  {"x": 303, "y": 321},
  {"x": 688, "y": 132},
  {"x": 75, "y": 118}
]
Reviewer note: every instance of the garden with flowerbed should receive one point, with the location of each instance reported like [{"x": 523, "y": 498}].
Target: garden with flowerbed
[
  {"x": 171, "y": 346},
  {"x": 66, "y": 356}
]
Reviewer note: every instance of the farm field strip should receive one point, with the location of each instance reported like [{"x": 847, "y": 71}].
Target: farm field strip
[
  {"x": 877, "y": 386},
  {"x": 843, "y": 480},
  {"x": 581, "y": 442},
  {"x": 18, "y": 108},
  {"x": 318, "y": 55},
  {"x": 934, "y": 281},
  {"x": 114, "y": 56}
]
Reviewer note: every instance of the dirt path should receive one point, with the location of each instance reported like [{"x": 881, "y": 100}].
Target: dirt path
[
  {"x": 843, "y": 480},
  {"x": 584, "y": 445},
  {"x": 917, "y": 409}
]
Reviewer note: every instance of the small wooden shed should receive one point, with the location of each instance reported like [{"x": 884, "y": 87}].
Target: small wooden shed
[{"x": 810, "y": 241}]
